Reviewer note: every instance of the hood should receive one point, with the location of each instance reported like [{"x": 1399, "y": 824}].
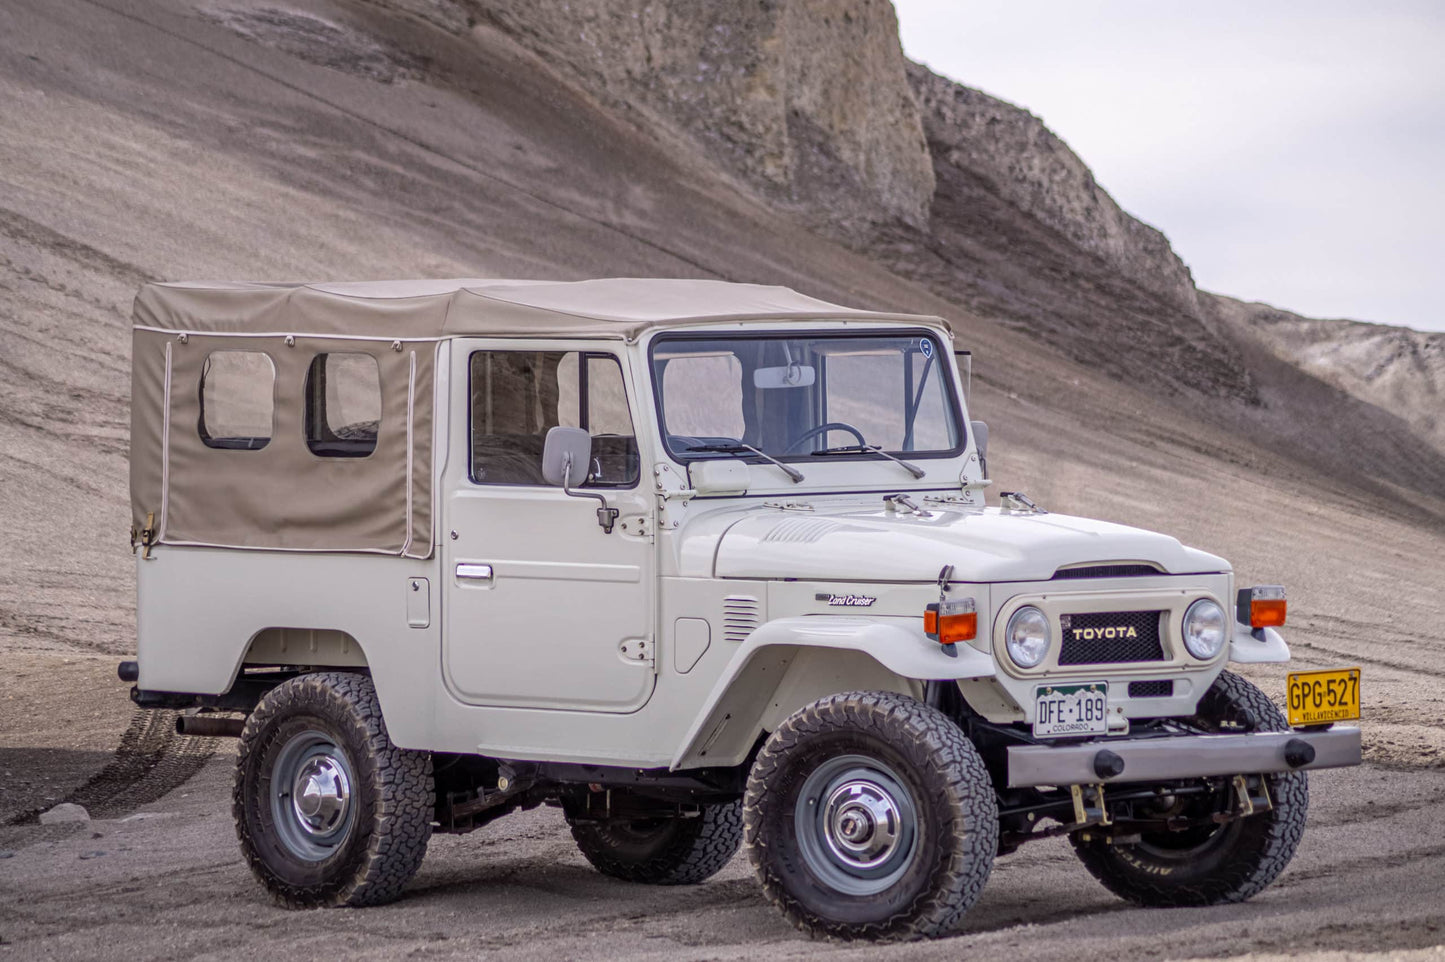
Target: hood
[{"x": 984, "y": 545}]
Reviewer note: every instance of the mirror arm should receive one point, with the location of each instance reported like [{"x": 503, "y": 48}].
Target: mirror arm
[{"x": 606, "y": 514}]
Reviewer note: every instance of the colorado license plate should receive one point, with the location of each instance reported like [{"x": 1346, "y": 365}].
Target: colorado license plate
[
  {"x": 1071, "y": 710},
  {"x": 1322, "y": 697}
]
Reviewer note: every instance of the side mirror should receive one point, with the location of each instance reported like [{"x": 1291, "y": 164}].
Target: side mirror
[
  {"x": 980, "y": 441},
  {"x": 565, "y": 456},
  {"x": 965, "y": 371}
]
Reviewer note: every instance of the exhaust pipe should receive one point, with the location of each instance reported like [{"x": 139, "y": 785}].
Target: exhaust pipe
[{"x": 207, "y": 727}]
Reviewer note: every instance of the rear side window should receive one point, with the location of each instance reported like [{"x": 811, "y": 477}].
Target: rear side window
[
  {"x": 518, "y": 396},
  {"x": 343, "y": 405},
  {"x": 238, "y": 391}
]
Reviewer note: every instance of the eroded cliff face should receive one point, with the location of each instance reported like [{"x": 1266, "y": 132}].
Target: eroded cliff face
[
  {"x": 1028, "y": 166},
  {"x": 806, "y": 99}
]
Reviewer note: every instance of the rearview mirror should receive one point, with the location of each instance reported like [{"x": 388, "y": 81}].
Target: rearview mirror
[
  {"x": 565, "y": 456},
  {"x": 790, "y": 375}
]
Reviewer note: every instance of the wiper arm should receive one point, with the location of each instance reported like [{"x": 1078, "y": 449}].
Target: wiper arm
[
  {"x": 912, "y": 468},
  {"x": 738, "y": 447}
]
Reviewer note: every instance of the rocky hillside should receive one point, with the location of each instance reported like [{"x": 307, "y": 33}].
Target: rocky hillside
[
  {"x": 1394, "y": 368},
  {"x": 804, "y": 99}
]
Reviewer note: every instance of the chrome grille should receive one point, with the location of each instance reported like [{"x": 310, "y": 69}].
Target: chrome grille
[{"x": 1110, "y": 638}]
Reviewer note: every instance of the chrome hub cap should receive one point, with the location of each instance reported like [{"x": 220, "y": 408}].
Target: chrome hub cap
[
  {"x": 311, "y": 796},
  {"x": 861, "y": 823},
  {"x": 321, "y": 795},
  {"x": 857, "y": 825}
]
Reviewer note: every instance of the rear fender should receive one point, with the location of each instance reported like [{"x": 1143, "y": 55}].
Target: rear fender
[{"x": 791, "y": 662}]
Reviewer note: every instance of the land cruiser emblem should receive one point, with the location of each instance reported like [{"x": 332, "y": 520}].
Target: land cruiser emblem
[
  {"x": 845, "y": 601},
  {"x": 1096, "y": 634}
]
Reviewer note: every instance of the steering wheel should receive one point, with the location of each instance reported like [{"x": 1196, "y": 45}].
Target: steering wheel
[{"x": 824, "y": 429}]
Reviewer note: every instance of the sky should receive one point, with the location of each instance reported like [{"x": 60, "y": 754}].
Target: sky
[{"x": 1293, "y": 152}]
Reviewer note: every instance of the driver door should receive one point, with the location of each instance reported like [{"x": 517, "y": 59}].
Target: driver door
[{"x": 543, "y": 608}]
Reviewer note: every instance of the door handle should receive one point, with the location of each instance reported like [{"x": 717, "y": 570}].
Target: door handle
[{"x": 474, "y": 572}]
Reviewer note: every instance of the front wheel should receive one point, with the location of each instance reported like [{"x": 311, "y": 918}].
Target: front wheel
[
  {"x": 869, "y": 815},
  {"x": 328, "y": 811},
  {"x": 1211, "y": 864}
]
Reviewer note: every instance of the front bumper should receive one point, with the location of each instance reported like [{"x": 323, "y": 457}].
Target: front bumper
[{"x": 1181, "y": 756}]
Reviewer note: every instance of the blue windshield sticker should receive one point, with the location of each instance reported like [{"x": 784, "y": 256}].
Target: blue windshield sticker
[{"x": 926, "y": 346}]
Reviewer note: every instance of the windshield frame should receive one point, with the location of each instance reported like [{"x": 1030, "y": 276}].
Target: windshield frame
[{"x": 945, "y": 371}]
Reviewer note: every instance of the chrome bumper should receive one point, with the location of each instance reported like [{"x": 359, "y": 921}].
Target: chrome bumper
[{"x": 1112, "y": 761}]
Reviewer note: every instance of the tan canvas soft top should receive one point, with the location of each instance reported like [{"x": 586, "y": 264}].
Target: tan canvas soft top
[
  {"x": 610, "y": 307},
  {"x": 283, "y": 495}
]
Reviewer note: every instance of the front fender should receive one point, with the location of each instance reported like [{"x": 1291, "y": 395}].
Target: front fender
[
  {"x": 1247, "y": 649},
  {"x": 790, "y": 662}
]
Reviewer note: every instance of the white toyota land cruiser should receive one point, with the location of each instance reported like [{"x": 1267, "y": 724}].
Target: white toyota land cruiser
[{"x": 699, "y": 563}]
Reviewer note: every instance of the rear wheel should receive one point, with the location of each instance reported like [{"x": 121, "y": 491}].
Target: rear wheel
[
  {"x": 662, "y": 851},
  {"x": 1211, "y": 864},
  {"x": 328, "y": 811},
  {"x": 870, "y": 815}
]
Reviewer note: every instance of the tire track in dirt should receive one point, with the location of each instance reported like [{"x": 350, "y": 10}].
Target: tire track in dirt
[{"x": 150, "y": 761}]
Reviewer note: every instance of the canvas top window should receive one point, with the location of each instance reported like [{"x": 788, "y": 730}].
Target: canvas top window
[
  {"x": 237, "y": 395},
  {"x": 806, "y": 397},
  {"x": 343, "y": 405}
]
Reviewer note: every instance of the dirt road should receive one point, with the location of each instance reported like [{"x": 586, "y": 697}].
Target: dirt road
[{"x": 167, "y": 882}]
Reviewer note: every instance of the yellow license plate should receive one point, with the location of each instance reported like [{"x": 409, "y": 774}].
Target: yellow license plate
[{"x": 1322, "y": 697}]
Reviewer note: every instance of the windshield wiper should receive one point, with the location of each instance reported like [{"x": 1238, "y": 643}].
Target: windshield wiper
[
  {"x": 912, "y": 468},
  {"x": 738, "y": 447}
]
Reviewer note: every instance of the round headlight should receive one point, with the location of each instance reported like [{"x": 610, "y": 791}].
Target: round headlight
[
  {"x": 1027, "y": 637},
  {"x": 1204, "y": 629}
]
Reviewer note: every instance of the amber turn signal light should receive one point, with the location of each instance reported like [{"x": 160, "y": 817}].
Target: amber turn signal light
[
  {"x": 950, "y": 622},
  {"x": 1262, "y": 606}
]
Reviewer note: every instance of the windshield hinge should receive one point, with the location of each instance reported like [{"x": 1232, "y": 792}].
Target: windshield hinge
[{"x": 895, "y": 501}]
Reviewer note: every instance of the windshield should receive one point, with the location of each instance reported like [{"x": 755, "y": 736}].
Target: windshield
[{"x": 801, "y": 398}]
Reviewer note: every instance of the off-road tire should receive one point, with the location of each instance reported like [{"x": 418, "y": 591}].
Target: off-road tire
[
  {"x": 391, "y": 792},
  {"x": 662, "y": 851},
  {"x": 1242, "y": 857},
  {"x": 955, "y": 835}
]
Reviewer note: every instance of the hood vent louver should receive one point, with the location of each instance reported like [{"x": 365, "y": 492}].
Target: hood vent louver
[
  {"x": 740, "y": 617},
  {"x": 1106, "y": 571},
  {"x": 802, "y": 530}
]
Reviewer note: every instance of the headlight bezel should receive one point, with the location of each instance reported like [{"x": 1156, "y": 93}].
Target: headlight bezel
[
  {"x": 1197, "y": 608},
  {"x": 1028, "y": 611}
]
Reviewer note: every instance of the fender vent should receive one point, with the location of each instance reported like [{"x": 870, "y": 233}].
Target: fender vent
[
  {"x": 802, "y": 530},
  {"x": 740, "y": 617}
]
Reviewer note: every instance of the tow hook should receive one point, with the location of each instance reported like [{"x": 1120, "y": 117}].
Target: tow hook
[
  {"x": 1246, "y": 802},
  {"x": 1086, "y": 814}
]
